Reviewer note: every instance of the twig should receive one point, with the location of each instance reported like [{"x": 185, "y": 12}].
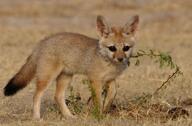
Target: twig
[
  {"x": 164, "y": 59},
  {"x": 144, "y": 54},
  {"x": 177, "y": 71}
]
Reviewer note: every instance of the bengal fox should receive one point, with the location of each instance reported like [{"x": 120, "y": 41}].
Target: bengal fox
[{"x": 60, "y": 56}]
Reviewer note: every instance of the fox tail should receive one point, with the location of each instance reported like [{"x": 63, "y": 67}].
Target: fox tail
[{"x": 22, "y": 78}]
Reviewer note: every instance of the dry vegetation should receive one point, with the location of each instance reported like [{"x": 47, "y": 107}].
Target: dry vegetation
[{"x": 165, "y": 26}]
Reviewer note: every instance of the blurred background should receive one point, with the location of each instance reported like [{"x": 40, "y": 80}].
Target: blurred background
[{"x": 165, "y": 25}]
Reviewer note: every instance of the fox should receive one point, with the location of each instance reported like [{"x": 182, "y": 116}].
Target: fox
[{"x": 61, "y": 56}]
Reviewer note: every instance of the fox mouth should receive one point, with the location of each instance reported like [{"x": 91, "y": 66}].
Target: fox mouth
[{"x": 123, "y": 61}]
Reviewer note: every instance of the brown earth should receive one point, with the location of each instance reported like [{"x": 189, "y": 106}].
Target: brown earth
[{"x": 165, "y": 26}]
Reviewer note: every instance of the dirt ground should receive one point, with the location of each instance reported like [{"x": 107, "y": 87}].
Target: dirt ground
[{"x": 165, "y": 26}]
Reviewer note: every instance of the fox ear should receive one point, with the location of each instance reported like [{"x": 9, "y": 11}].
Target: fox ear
[
  {"x": 102, "y": 27},
  {"x": 131, "y": 26}
]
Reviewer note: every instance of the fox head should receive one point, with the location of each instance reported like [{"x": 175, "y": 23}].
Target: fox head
[{"x": 116, "y": 43}]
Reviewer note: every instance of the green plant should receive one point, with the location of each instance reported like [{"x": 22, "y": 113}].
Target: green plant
[{"x": 164, "y": 60}]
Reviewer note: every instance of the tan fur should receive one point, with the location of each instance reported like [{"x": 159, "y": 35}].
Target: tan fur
[
  {"x": 61, "y": 56},
  {"x": 26, "y": 73}
]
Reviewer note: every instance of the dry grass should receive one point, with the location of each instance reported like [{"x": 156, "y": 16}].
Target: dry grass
[{"x": 165, "y": 26}]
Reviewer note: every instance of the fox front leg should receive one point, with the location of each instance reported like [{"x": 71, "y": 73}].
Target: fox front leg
[
  {"x": 110, "y": 95},
  {"x": 96, "y": 91}
]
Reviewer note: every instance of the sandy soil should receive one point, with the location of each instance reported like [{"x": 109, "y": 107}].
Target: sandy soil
[{"x": 165, "y": 26}]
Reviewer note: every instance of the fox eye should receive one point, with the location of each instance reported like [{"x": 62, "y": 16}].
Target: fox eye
[
  {"x": 126, "y": 48},
  {"x": 112, "y": 48}
]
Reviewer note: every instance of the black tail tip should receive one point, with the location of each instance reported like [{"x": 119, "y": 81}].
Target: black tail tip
[{"x": 11, "y": 88}]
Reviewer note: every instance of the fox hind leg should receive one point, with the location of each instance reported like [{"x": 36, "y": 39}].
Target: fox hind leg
[
  {"x": 41, "y": 86},
  {"x": 45, "y": 75},
  {"x": 62, "y": 83}
]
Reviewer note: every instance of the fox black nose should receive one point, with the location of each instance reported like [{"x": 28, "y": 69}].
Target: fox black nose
[{"x": 120, "y": 59}]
